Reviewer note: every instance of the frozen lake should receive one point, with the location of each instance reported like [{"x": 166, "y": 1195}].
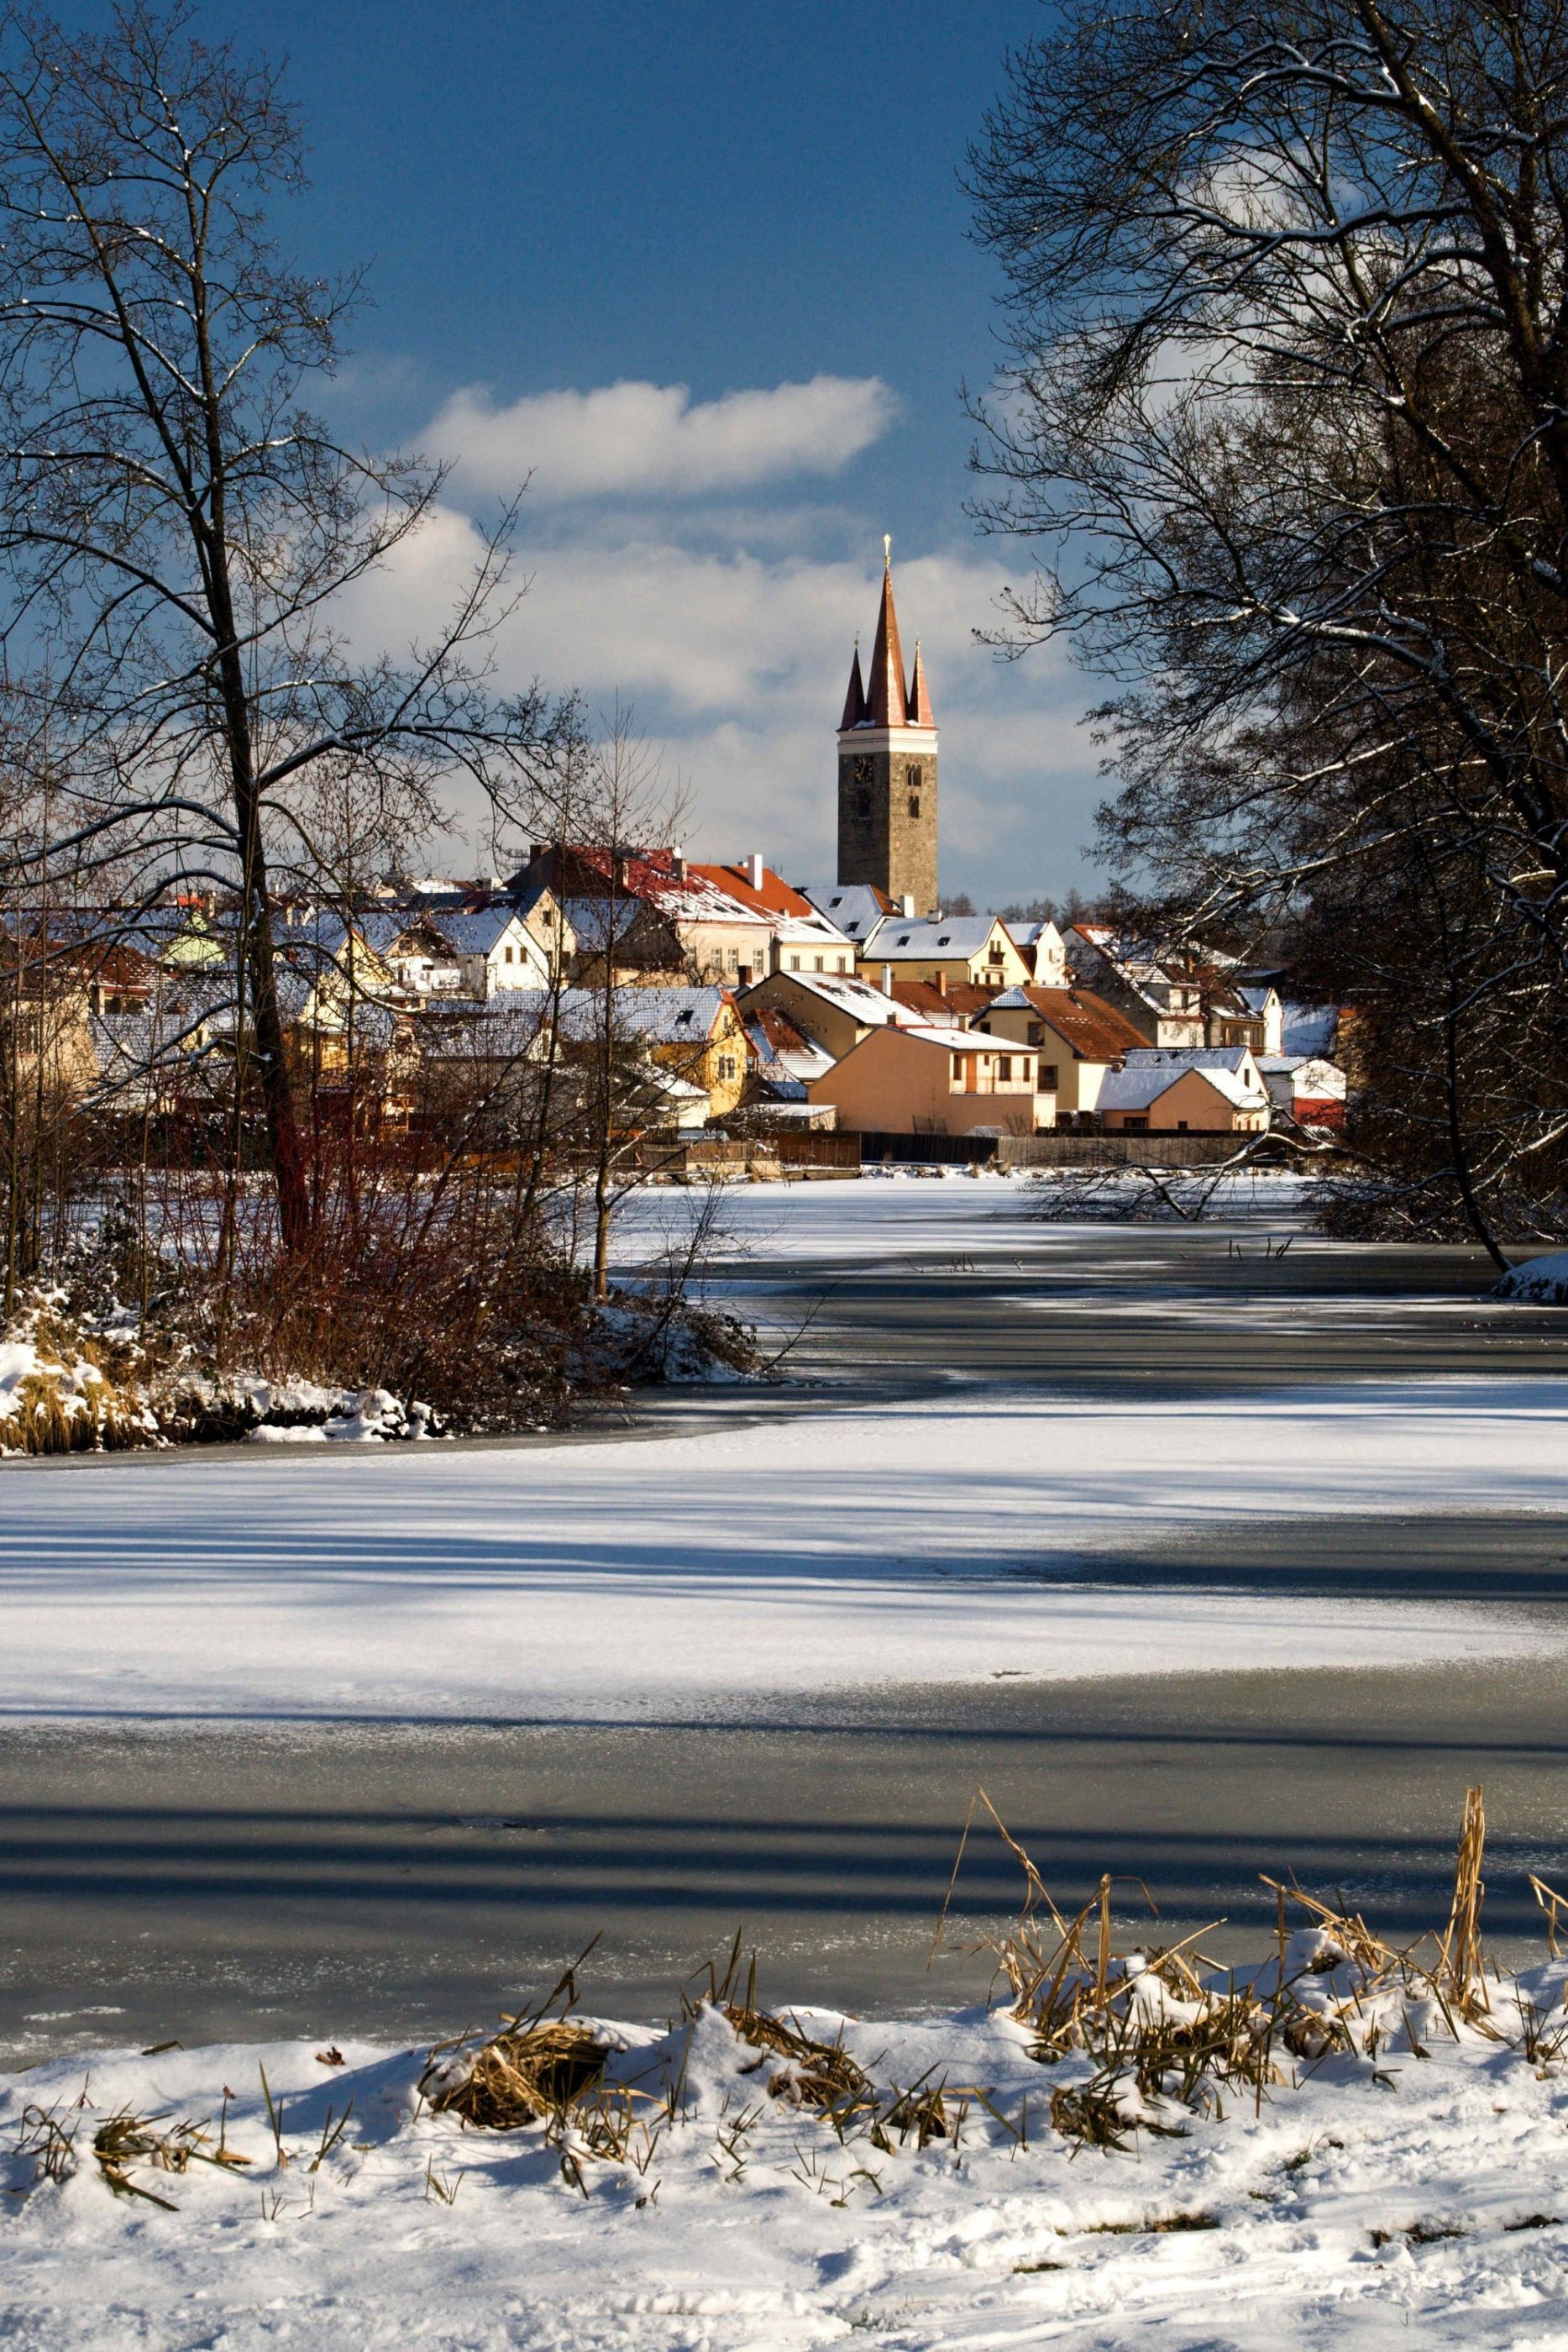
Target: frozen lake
[{"x": 1200, "y": 1558}]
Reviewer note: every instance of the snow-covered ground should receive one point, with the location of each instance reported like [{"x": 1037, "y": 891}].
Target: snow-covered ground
[
  {"x": 909, "y": 1543},
  {"x": 1387, "y": 2200},
  {"x": 1409, "y": 2196}
]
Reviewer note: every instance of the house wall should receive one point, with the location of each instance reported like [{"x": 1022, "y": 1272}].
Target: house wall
[
  {"x": 730, "y": 954},
  {"x": 1191, "y": 1102},
  {"x": 1078, "y": 1082},
  {"x": 811, "y": 955},
  {"x": 826, "y": 1024},
  {"x": 895, "y": 1084},
  {"x": 719, "y": 1064},
  {"x": 492, "y": 976}
]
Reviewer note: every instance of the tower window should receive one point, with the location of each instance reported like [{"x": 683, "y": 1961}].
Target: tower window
[
  {"x": 914, "y": 805},
  {"x": 913, "y": 780}
]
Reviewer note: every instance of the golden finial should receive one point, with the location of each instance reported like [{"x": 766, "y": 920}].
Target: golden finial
[{"x": 887, "y": 551}]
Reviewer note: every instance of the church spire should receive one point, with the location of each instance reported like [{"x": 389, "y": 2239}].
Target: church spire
[
  {"x": 887, "y": 699},
  {"x": 920, "y": 711},
  {"x": 854, "y": 700}
]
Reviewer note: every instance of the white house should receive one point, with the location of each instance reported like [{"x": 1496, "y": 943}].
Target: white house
[{"x": 496, "y": 949}]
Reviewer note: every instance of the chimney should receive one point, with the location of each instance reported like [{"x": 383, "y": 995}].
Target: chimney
[
  {"x": 941, "y": 983},
  {"x": 906, "y": 907},
  {"x": 678, "y": 861},
  {"x": 754, "y": 870}
]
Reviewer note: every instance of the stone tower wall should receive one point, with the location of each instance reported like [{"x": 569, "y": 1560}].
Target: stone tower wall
[{"x": 887, "y": 812}]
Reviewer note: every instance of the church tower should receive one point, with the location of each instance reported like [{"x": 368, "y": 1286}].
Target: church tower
[{"x": 887, "y": 769}]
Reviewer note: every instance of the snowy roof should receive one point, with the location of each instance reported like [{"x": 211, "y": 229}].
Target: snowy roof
[
  {"x": 948, "y": 937},
  {"x": 659, "y": 878},
  {"x": 476, "y": 934},
  {"x": 1312, "y": 1073},
  {"x": 1150, "y": 1071},
  {"x": 856, "y": 997},
  {"x": 857, "y": 907},
  {"x": 665, "y": 1017},
  {"x": 1309, "y": 1028},
  {"x": 954, "y": 1039},
  {"x": 788, "y": 912},
  {"x": 786, "y": 1056},
  {"x": 595, "y": 922},
  {"x": 1143, "y": 966}
]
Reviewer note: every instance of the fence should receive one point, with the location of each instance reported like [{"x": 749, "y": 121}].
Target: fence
[{"x": 1064, "y": 1148}]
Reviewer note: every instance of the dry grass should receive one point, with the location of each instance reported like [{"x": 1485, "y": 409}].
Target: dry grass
[
  {"x": 519, "y": 2076},
  {"x": 1170, "y": 2029}
]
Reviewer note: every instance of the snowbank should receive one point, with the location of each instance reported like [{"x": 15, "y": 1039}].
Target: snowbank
[
  {"x": 1539, "y": 1282},
  {"x": 1385, "y": 2200}
]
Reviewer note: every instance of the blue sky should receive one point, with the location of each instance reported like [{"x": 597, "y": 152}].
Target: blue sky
[{"x": 693, "y": 201}]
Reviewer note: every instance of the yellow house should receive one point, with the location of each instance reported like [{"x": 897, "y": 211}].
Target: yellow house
[
  {"x": 930, "y": 1081},
  {"x": 696, "y": 1035},
  {"x": 976, "y": 950}
]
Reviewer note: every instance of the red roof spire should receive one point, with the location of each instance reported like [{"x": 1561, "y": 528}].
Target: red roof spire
[
  {"x": 854, "y": 700},
  {"x": 920, "y": 711},
  {"x": 887, "y": 698}
]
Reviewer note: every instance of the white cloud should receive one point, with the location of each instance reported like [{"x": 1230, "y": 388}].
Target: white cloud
[
  {"x": 735, "y": 665},
  {"x": 635, "y": 439}
]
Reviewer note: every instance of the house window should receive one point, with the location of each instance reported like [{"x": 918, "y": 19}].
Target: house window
[
  {"x": 726, "y": 1066},
  {"x": 1181, "y": 1126},
  {"x": 511, "y": 952},
  {"x": 958, "y": 1069},
  {"x": 1004, "y": 1065},
  {"x": 1036, "y": 1034},
  {"x": 816, "y": 963},
  {"x": 791, "y": 963},
  {"x": 733, "y": 959},
  {"x": 1048, "y": 1077},
  {"x": 1136, "y": 1125}
]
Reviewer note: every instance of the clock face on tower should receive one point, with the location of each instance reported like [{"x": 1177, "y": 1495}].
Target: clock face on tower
[{"x": 863, "y": 771}]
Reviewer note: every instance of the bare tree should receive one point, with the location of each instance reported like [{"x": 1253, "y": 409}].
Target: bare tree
[
  {"x": 180, "y": 533},
  {"x": 1288, "y": 410}
]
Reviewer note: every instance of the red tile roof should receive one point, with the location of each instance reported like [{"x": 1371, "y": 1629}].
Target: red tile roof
[
  {"x": 774, "y": 897},
  {"x": 1092, "y": 1027},
  {"x": 961, "y": 999}
]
